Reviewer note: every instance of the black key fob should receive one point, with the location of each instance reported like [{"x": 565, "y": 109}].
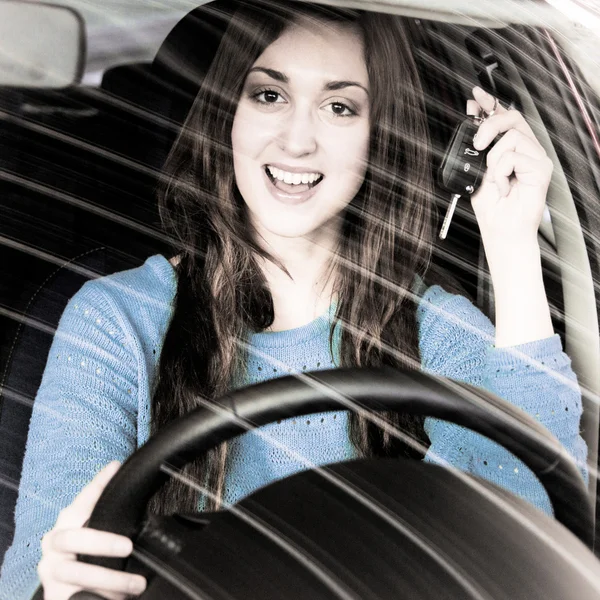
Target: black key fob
[{"x": 463, "y": 166}]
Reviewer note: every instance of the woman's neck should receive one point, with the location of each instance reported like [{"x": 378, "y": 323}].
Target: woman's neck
[{"x": 306, "y": 290}]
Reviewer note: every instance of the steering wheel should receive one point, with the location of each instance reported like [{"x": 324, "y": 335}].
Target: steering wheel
[{"x": 121, "y": 508}]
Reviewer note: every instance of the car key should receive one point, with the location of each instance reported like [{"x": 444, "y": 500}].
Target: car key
[{"x": 463, "y": 166}]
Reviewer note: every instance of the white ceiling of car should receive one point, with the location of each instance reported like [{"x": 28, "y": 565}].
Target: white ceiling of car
[
  {"x": 132, "y": 30},
  {"x": 102, "y": 13}
]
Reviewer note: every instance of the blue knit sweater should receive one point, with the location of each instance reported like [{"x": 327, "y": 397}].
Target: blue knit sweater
[{"x": 93, "y": 405}]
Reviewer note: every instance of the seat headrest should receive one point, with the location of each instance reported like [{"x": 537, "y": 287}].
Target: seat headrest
[{"x": 187, "y": 52}]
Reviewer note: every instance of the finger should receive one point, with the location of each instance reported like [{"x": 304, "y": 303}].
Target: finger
[
  {"x": 68, "y": 591},
  {"x": 92, "y": 542},
  {"x": 513, "y": 140},
  {"x": 79, "y": 511},
  {"x": 63, "y": 590},
  {"x": 487, "y": 102},
  {"x": 109, "y": 595},
  {"x": 527, "y": 170},
  {"x": 498, "y": 124},
  {"x": 502, "y": 119},
  {"x": 48, "y": 547},
  {"x": 92, "y": 576}
]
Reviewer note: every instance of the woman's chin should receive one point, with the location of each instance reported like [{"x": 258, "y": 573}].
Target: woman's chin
[
  {"x": 314, "y": 216},
  {"x": 287, "y": 229},
  {"x": 324, "y": 230}
]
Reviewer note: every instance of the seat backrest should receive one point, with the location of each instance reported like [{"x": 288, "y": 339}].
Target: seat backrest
[{"x": 152, "y": 101}]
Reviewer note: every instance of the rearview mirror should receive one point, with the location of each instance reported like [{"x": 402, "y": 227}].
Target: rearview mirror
[{"x": 41, "y": 45}]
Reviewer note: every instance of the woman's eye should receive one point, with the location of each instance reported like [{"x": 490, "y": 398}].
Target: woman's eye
[
  {"x": 267, "y": 97},
  {"x": 339, "y": 109}
]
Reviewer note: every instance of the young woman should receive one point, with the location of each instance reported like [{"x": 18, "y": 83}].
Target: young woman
[{"x": 300, "y": 197}]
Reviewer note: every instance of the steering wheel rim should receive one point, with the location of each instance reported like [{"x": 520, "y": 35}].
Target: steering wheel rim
[{"x": 121, "y": 507}]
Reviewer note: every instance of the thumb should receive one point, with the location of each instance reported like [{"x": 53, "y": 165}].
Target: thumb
[{"x": 81, "y": 508}]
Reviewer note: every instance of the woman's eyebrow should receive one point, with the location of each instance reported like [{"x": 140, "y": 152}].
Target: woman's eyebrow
[
  {"x": 277, "y": 75},
  {"x": 331, "y": 86},
  {"x": 338, "y": 85}
]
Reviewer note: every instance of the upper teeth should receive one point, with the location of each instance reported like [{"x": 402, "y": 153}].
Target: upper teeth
[{"x": 293, "y": 178}]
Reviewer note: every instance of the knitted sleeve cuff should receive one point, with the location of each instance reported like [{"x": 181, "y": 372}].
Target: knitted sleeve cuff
[{"x": 537, "y": 354}]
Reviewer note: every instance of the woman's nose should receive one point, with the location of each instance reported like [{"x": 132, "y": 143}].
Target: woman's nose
[{"x": 298, "y": 134}]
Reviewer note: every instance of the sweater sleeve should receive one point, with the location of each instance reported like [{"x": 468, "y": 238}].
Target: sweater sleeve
[
  {"x": 457, "y": 341},
  {"x": 84, "y": 416}
]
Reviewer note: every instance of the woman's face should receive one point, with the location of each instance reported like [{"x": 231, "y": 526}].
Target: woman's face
[{"x": 300, "y": 134}]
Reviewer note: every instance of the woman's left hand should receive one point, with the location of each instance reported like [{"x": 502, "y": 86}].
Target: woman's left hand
[{"x": 510, "y": 201}]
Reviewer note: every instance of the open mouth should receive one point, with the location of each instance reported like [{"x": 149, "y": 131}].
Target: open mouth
[{"x": 292, "y": 183}]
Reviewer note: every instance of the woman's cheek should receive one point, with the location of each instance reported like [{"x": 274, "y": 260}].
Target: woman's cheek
[
  {"x": 351, "y": 149},
  {"x": 249, "y": 132}
]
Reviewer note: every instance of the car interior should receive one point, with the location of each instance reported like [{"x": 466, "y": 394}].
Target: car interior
[{"x": 79, "y": 168}]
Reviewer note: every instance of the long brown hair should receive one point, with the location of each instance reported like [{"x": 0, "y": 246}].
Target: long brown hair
[{"x": 221, "y": 291}]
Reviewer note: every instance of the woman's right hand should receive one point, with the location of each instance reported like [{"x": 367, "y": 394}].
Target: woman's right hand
[{"x": 61, "y": 575}]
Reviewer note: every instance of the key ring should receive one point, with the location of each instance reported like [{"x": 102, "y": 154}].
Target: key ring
[
  {"x": 493, "y": 109},
  {"x": 480, "y": 120}
]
